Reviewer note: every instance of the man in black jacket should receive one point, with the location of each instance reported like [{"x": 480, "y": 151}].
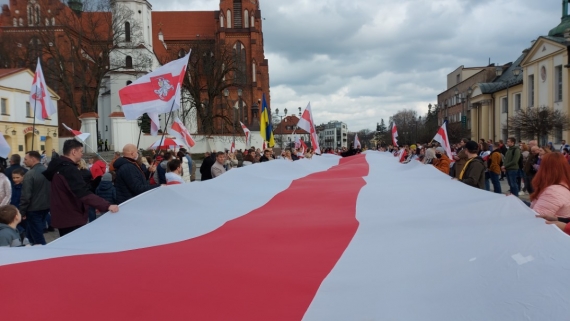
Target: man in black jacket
[
  {"x": 473, "y": 173},
  {"x": 206, "y": 167},
  {"x": 130, "y": 180}
]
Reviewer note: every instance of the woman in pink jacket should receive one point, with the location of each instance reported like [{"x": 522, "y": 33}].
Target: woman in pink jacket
[{"x": 552, "y": 191}]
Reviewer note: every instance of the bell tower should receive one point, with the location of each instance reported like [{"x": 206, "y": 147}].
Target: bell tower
[{"x": 565, "y": 23}]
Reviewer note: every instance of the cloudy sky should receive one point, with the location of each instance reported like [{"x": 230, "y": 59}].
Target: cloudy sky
[{"x": 358, "y": 61}]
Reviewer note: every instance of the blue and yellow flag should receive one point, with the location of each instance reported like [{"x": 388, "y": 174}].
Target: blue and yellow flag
[{"x": 265, "y": 127}]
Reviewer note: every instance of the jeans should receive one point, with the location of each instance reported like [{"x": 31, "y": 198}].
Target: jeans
[
  {"x": 36, "y": 221},
  {"x": 496, "y": 184},
  {"x": 520, "y": 179},
  {"x": 512, "y": 179}
]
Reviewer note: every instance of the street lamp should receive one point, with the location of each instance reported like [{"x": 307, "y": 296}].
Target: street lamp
[
  {"x": 280, "y": 123},
  {"x": 299, "y": 112}
]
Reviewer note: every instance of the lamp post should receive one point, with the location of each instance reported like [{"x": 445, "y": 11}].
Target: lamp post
[{"x": 280, "y": 123}]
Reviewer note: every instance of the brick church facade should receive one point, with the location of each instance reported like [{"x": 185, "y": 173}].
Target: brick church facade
[{"x": 89, "y": 53}]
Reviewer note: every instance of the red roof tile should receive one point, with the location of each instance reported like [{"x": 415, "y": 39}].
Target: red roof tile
[{"x": 10, "y": 71}]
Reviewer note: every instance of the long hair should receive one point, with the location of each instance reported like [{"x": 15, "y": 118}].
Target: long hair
[{"x": 554, "y": 169}]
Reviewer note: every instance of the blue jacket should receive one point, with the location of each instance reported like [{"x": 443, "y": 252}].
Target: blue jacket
[
  {"x": 16, "y": 195},
  {"x": 106, "y": 190}
]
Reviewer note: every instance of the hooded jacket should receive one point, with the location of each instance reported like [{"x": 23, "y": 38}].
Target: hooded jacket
[
  {"x": 107, "y": 191},
  {"x": 11, "y": 237},
  {"x": 70, "y": 195},
  {"x": 130, "y": 180},
  {"x": 35, "y": 191},
  {"x": 475, "y": 173}
]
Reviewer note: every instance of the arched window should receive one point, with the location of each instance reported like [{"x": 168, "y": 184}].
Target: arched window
[
  {"x": 229, "y": 18},
  {"x": 246, "y": 19},
  {"x": 253, "y": 71},
  {"x": 129, "y": 62},
  {"x": 129, "y": 82},
  {"x": 222, "y": 21},
  {"x": 30, "y": 16},
  {"x": 127, "y": 32},
  {"x": 37, "y": 14},
  {"x": 239, "y": 60},
  {"x": 252, "y": 21},
  {"x": 47, "y": 22},
  {"x": 15, "y": 22},
  {"x": 21, "y": 22},
  {"x": 237, "y": 14}
]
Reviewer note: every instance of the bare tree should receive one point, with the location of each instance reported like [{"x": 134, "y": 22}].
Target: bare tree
[{"x": 537, "y": 123}]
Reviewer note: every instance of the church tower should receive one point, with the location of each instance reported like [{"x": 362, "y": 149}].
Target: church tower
[
  {"x": 565, "y": 23},
  {"x": 240, "y": 27},
  {"x": 132, "y": 58}
]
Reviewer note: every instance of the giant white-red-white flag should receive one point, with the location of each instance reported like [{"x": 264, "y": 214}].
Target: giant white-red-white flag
[
  {"x": 40, "y": 99},
  {"x": 306, "y": 122},
  {"x": 178, "y": 130},
  {"x": 157, "y": 92},
  {"x": 79, "y": 135},
  {"x": 394, "y": 134},
  {"x": 323, "y": 262},
  {"x": 247, "y": 133},
  {"x": 442, "y": 138}
]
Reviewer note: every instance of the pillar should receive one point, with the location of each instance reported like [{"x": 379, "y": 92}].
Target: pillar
[
  {"x": 123, "y": 131},
  {"x": 485, "y": 120},
  {"x": 89, "y": 125}
]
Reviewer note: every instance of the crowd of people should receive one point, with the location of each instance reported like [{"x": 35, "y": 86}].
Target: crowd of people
[{"x": 542, "y": 172}]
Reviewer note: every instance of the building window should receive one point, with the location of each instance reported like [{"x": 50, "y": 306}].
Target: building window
[
  {"x": 557, "y": 135},
  {"x": 229, "y": 18},
  {"x": 458, "y": 78},
  {"x": 53, "y": 21},
  {"x": 252, "y": 21},
  {"x": 239, "y": 56},
  {"x": 504, "y": 105},
  {"x": 47, "y": 22},
  {"x": 237, "y": 14},
  {"x": 37, "y": 15},
  {"x": 253, "y": 71},
  {"x": 129, "y": 62},
  {"x": 21, "y": 22},
  {"x": 246, "y": 19},
  {"x": 127, "y": 32},
  {"x": 4, "y": 106},
  {"x": 558, "y": 83},
  {"x": 29, "y": 112},
  {"x": 531, "y": 91},
  {"x": 221, "y": 20},
  {"x": 15, "y": 22},
  {"x": 517, "y": 102}
]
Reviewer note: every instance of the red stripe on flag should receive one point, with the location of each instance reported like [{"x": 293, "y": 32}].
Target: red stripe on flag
[{"x": 266, "y": 265}]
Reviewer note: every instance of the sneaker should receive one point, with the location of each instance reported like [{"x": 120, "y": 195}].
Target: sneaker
[{"x": 522, "y": 193}]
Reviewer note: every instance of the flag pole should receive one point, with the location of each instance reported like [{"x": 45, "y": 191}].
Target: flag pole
[
  {"x": 163, "y": 133},
  {"x": 34, "y": 123},
  {"x": 84, "y": 143}
]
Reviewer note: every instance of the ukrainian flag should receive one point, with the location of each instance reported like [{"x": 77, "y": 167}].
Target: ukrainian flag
[{"x": 265, "y": 127}]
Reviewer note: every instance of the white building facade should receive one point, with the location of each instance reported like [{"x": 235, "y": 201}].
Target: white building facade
[{"x": 334, "y": 135}]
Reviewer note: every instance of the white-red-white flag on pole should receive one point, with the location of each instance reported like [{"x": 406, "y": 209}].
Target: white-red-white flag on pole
[
  {"x": 264, "y": 146},
  {"x": 442, "y": 138},
  {"x": 247, "y": 134},
  {"x": 306, "y": 122},
  {"x": 154, "y": 123},
  {"x": 4, "y": 147},
  {"x": 394, "y": 135},
  {"x": 157, "y": 92},
  {"x": 233, "y": 147},
  {"x": 356, "y": 142},
  {"x": 178, "y": 130},
  {"x": 79, "y": 135},
  {"x": 402, "y": 155},
  {"x": 40, "y": 99}
]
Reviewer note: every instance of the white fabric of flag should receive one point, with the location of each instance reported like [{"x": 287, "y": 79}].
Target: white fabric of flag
[{"x": 40, "y": 99}]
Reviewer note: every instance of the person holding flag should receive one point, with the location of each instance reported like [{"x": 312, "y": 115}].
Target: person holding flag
[
  {"x": 265, "y": 127},
  {"x": 394, "y": 135}
]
